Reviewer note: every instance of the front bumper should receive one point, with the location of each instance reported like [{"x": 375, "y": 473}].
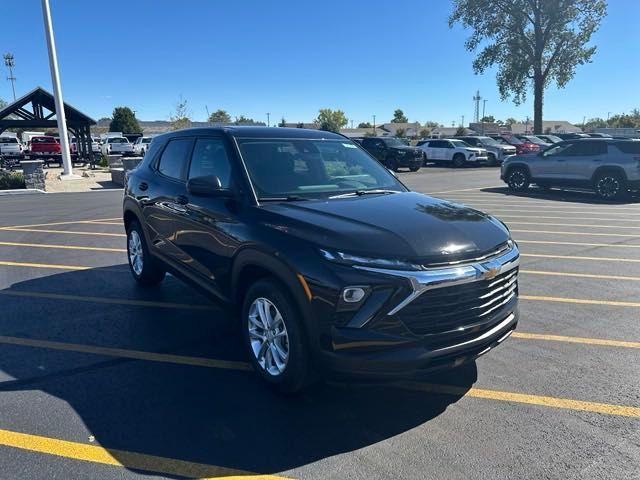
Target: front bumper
[{"x": 405, "y": 340}]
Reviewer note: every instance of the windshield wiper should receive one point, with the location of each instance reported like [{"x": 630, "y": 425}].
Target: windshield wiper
[
  {"x": 288, "y": 198},
  {"x": 359, "y": 193}
]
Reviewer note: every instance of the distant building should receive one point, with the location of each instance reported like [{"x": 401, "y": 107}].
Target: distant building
[
  {"x": 442, "y": 132},
  {"x": 486, "y": 128},
  {"x": 411, "y": 129},
  {"x": 619, "y": 132},
  {"x": 548, "y": 126}
]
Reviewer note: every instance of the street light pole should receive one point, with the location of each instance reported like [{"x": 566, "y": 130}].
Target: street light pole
[
  {"x": 484, "y": 104},
  {"x": 10, "y": 63},
  {"x": 57, "y": 93}
]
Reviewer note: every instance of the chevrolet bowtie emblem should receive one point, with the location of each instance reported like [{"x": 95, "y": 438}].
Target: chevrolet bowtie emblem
[{"x": 490, "y": 273}]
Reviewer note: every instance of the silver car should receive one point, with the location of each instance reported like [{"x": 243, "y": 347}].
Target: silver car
[
  {"x": 497, "y": 152},
  {"x": 609, "y": 167}
]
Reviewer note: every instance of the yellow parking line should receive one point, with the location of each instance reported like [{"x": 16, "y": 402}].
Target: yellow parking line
[
  {"x": 581, "y": 275},
  {"x": 123, "y": 458},
  {"x": 66, "y": 232},
  {"x": 564, "y": 218},
  {"x": 106, "y": 300},
  {"x": 63, "y": 247},
  {"x": 573, "y": 225},
  {"x": 60, "y": 223},
  {"x": 547, "y": 242},
  {"x": 43, "y": 265},
  {"x": 565, "y": 403},
  {"x": 443, "y": 389},
  {"x": 584, "y": 301},
  {"x": 574, "y": 257},
  {"x": 97, "y": 222},
  {"x": 579, "y": 233},
  {"x": 126, "y": 353},
  {"x": 582, "y": 340}
]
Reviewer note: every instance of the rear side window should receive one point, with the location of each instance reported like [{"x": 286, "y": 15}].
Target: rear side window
[
  {"x": 586, "y": 148},
  {"x": 174, "y": 158},
  {"x": 210, "y": 158},
  {"x": 628, "y": 147}
]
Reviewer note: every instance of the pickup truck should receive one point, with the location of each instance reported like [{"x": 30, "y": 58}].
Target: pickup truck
[
  {"x": 44, "y": 144},
  {"x": 392, "y": 153}
]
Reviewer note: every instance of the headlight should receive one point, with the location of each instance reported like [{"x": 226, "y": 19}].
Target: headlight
[{"x": 349, "y": 259}]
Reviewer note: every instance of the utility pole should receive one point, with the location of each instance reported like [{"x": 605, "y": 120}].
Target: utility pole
[
  {"x": 351, "y": 124},
  {"x": 462, "y": 123},
  {"x": 57, "y": 93},
  {"x": 268, "y": 119},
  {"x": 374, "y": 125},
  {"x": 10, "y": 63},
  {"x": 477, "y": 99}
]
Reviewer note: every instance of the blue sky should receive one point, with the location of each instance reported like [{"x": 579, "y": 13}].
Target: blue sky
[{"x": 292, "y": 57}]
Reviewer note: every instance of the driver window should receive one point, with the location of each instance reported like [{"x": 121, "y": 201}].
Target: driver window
[
  {"x": 210, "y": 158},
  {"x": 556, "y": 150}
]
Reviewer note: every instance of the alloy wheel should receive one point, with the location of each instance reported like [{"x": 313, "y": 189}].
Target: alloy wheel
[
  {"x": 268, "y": 336},
  {"x": 608, "y": 187},
  {"x": 517, "y": 180},
  {"x": 135, "y": 252}
]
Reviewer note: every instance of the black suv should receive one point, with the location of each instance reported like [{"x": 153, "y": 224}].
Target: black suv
[
  {"x": 393, "y": 153},
  {"x": 333, "y": 264}
]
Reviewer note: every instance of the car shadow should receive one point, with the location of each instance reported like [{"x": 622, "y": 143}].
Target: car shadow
[
  {"x": 561, "y": 195},
  {"x": 213, "y": 416}
]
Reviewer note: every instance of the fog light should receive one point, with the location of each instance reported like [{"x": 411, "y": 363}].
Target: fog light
[{"x": 353, "y": 294}]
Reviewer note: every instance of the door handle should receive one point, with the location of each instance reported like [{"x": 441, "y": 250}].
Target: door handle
[
  {"x": 143, "y": 186},
  {"x": 182, "y": 200}
]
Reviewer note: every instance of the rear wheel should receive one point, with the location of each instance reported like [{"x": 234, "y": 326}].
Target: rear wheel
[
  {"x": 610, "y": 186},
  {"x": 493, "y": 161},
  {"x": 459, "y": 160},
  {"x": 414, "y": 169},
  {"x": 274, "y": 337},
  {"x": 518, "y": 179},
  {"x": 145, "y": 269}
]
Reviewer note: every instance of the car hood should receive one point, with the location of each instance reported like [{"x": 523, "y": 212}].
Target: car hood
[{"x": 405, "y": 225}]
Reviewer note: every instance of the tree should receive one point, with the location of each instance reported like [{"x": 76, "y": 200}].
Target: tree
[
  {"x": 399, "y": 117},
  {"x": 461, "y": 131},
  {"x": 431, "y": 124},
  {"x": 533, "y": 42},
  {"x": 424, "y": 133},
  {"x": 510, "y": 121},
  {"x": 365, "y": 125},
  {"x": 400, "y": 133},
  {"x": 488, "y": 119},
  {"x": 331, "y": 120},
  {"x": 124, "y": 120},
  {"x": 180, "y": 117},
  {"x": 3, "y": 103},
  {"x": 283, "y": 123},
  {"x": 219, "y": 116}
]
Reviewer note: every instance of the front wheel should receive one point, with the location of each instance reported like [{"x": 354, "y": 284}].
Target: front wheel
[
  {"x": 459, "y": 160},
  {"x": 518, "y": 179},
  {"x": 144, "y": 268},
  {"x": 610, "y": 186},
  {"x": 392, "y": 164},
  {"x": 493, "y": 161},
  {"x": 414, "y": 169},
  {"x": 274, "y": 338}
]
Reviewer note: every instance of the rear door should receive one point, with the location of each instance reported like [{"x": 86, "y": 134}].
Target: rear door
[
  {"x": 435, "y": 150},
  {"x": 584, "y": 158}
]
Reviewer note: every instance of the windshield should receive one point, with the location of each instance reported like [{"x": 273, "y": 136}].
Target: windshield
[
  {"x": 393, "y": 142},
  {"x": 118, "y": 140},
  {"x": 312, "y": 168},
  {"x": 459, "y": 144},
  {"x": 536, "y": 140},
  {"x": 514, "y": 141},
  {"x": 489, "y": 141},
  {"x": 553, "y": 138}
]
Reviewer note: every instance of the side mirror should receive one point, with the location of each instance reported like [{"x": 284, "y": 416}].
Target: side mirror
[{"x": 208, "y": 186}]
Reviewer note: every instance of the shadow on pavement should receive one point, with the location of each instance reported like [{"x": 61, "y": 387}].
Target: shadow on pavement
[
  {"x": 557, "y": 195},
  {"x": 214, "y": 416}
]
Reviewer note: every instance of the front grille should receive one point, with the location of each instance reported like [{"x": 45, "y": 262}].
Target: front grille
[{"x": 460, "y": 311}]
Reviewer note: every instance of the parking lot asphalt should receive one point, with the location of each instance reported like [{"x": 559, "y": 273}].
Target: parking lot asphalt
[{"x": 102, "y": 379}]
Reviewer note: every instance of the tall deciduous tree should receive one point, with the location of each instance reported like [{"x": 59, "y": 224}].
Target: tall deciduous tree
[
  {"x": 399, "y": 117},
  {"x": 365, "y": 125},
  {"x": 220, "y": 116},
  {"x": 533, "y": 42},
  {"x": 124, "y": 120},
  {"x": 331, "y": 120}
]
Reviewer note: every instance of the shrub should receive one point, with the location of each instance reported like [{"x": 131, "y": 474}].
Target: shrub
[{"x": 11, "y": 180}]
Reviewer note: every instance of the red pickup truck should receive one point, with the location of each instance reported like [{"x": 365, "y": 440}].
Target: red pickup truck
[{"x": 44, "y": 144}]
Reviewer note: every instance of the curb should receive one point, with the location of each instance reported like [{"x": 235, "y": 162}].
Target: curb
[{"x": 22, "y": 191}]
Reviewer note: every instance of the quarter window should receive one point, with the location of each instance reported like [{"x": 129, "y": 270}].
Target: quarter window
[
  {"x": 210, "y": 158},
  {"x": 173, "y": 159}
]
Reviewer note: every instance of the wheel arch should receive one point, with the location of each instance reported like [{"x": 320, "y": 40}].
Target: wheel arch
[
  {"x": 517, "y": 165},
  {"x": 608, "y": 169}
]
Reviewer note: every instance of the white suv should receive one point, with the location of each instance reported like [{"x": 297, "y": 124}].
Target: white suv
[
  {"x": 10, "y": 146},
  {"x": 453, "y": 151},
  {"x": 609, "y": 167}
]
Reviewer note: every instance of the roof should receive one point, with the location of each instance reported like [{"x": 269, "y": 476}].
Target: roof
[
  {"x": 39, "y": 96},
  {"x": 261, "y": 132}
]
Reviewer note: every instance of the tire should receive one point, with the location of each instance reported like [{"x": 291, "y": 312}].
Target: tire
[
  {"x": 459, "y": 160},
  {"x": 145, "y": 269},
  {"x": 424, "y": 159},
  {"x": 610, "y": 186},
  {"x": 493, "y": 161},
  {"x": 414, "y": 169},
  {"x": 283, "y": 359},
  {"x": 518, "y": 179},
  {"x": 392, "y": 164}
]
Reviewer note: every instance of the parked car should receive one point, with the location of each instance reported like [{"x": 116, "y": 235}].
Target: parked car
[
  {"x": 44, "y": 144},
  {"x": 533, "y": 139},
  {"x": 10, "y": 146},
  {"x": 393, "y": 153},
  {"x": 453, "y": 151},
  {"x": 571, "y": 136},
  {"x": 522, "y": 146},
  {"x": 609, "y": 167},
  {"x": 335, "y": 267},
  {"x": 496, "y": 152},
  {"x": 141, "y": 145},
  {"x": 598, "y": 135},
  {"x": 117, "y": 146},
  {"x": 550, "y": 138}
]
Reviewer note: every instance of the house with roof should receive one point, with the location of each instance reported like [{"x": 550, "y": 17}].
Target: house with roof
[{"x": 548, "y": 127}]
